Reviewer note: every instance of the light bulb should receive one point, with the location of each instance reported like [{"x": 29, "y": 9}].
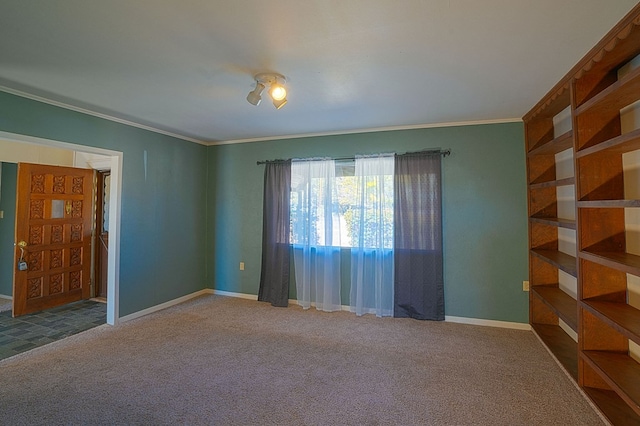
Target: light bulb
[{"x": 278, "y": 92}]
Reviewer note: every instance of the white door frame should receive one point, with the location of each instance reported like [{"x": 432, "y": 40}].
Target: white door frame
[{"x": 113, "y": 266}]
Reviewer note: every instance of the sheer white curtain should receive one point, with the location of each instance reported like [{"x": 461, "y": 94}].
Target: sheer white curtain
[
  {"x": 372, "y": 239},
  {"x": 315, "y": 234}
]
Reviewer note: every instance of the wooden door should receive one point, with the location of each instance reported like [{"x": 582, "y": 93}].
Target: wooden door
[{"x": 53, "y": 236}]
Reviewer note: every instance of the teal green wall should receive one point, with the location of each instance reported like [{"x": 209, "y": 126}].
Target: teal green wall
[
  {"x": 7, "y": 226},
  {"x": 484, "y": 204},
  {"x": 163, "y": 212},
  {"x": 197, "y": 212}
]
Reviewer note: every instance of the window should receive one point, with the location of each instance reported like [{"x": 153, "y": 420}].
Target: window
[
  {"x": 343, "y": 204},
  {"x": 328, "y": 201},
  {"x": 386, "y": 209}
]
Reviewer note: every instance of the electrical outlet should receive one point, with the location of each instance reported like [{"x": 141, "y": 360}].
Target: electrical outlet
[
  {"x": 525, "y": 285},
  {"x": 242, "y": 266}
]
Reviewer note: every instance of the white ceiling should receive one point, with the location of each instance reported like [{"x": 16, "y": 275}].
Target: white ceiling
[{"x": 186, "y": 66}]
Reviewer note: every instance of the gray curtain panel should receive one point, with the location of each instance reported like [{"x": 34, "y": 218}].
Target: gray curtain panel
[
  {"x": 274, "y": 275},
  {"x": 418, "y": 272}
]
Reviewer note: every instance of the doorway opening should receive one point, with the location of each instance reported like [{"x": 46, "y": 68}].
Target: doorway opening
[{"x": 113, "y": 210}]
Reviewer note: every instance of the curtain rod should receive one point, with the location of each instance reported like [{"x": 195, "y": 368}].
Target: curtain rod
[{"x": 443, "y": 152}]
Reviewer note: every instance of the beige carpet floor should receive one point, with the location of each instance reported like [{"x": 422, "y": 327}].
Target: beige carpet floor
[{"x": 224, "y": 361}]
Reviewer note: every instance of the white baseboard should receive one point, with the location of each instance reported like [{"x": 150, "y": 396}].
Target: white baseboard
[
  {"x": 4, "y": 296},
  {"x": 165, "y": 305},
  {"x": 460, "y": 320},
  {"x": 488, "y": 323},
  {"x": 233, "y": 294},
  {"x": 447, "y": 318}
]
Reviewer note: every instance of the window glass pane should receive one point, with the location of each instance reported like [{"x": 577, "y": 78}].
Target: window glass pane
[
  {"x": 308, "y": 209},
  {"x": 57, "y": 209},
  {"x": 347, "y": 200}
]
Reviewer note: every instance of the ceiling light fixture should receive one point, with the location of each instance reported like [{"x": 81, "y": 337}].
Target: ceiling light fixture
[
  {"x": 254, "y": 97},
  {"x": 276, "y": 89}
]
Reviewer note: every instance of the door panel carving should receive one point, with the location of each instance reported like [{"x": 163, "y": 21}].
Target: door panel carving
[
  {"x": 57, "y": 234},
  {"x": 58, "y": 184},
  {"x": 37, "y": 184},
  {"x": 76, "y": 233},
  {"x": 76, "y": 209},
  {"x": 35, "y": 288},
  {"x": 34, "y": 260},
  {"x": 37, "y": 209},
  {"x": 35, "y": 235},
  {"x": 78, "y": 185},
  {"x": 76, "y": 256},
  {"x": 55, "y": 284},
  {"x": 55, "y": 259},
  {"x": 75, "y": 280}
]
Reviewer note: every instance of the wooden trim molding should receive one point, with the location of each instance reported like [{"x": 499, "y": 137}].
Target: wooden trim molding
[{"x": 626, "y": 27}]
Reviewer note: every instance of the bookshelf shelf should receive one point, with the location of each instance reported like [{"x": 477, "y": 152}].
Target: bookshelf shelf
[
  {"x": 563, "y": 305},
  {"x": 554, "y": 221},
  {"x": 561, "y": 345},
  {"x": 558, "y": 259}
]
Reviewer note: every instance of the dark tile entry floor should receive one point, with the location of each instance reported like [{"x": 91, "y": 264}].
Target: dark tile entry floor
[{"x": 30, "y": 331}]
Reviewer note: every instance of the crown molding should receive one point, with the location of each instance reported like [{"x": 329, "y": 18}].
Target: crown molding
[
  {"x": 370, "y": 130},
  {"x": 99, "y": 115},
  {"x": 249, "y": 140}
]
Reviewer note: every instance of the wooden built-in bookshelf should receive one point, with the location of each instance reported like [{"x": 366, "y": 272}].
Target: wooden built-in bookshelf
[{"x": 600, "y": 312}]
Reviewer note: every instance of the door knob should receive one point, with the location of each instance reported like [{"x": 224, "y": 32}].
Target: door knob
[{"x": 22, "y": 265}]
